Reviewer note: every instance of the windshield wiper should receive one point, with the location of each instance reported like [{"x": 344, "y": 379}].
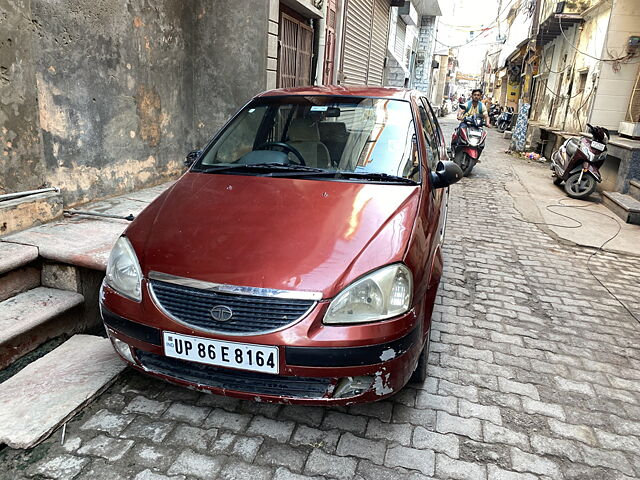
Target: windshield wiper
[
  {"x": 280, "y": 167},
  {"x": 377, "y": 176}
]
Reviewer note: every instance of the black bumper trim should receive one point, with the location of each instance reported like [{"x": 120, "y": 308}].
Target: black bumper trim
[
  {"x": 144, "y": 333},
  {"x": 350, "y": 356}
]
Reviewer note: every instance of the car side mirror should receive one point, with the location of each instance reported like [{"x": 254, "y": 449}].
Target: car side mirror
[
  {"x": 192, "y": 156},
  {"x": 447, "y": 173}
]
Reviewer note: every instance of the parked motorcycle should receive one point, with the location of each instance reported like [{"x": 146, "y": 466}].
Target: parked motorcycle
[
  {"x": 577, "y": 162},
  {"x": 504, "y": 120},
  {"x": 494, "y": 113},
  {"x": 467, "y": 142}
]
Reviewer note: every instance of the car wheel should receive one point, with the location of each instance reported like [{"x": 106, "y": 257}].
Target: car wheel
[
  {"x": 580, "y": 189},
  {"x": 420, "y": 373}
]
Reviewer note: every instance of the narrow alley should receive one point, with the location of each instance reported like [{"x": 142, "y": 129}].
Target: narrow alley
[{"x": 534, "y": 374}]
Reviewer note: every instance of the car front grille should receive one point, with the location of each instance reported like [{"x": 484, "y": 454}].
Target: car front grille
[
  {"x": 251, "y": 314},
  {"x": 236, "y": 380}
]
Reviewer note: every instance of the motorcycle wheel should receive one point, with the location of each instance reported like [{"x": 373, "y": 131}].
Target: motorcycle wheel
[
  {"x": 471, "y": 163},
  {"x": 501, "y": 127},
  {"x": 463, "y": 160},
  {"x": 580, "y": 190},
  {"x": 557, "y": 180}
]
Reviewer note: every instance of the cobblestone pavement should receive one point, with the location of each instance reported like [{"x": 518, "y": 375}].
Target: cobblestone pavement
[{"x": 534, "y": 374}]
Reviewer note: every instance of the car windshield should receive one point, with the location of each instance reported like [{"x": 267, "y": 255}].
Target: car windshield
[{"x": 366, "y": 139}]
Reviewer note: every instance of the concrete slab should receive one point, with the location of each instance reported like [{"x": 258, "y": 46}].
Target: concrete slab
[
  {"x": 14, "y": 255},
  {"x": 86, "y": 241},
  {"x": 18, "y": 281},
  {"x": 539, "y": 200},
  {"x": 625, "y": 206},
  {"x": 50, "y": 391},
  {"x": 33, "y": 317},
  {"x": 24, "y": 212}
]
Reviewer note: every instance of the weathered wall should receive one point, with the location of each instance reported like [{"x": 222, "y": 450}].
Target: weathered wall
[
  {"x": 231, "y": 59},
  {"x": 21, "y": 164},
  {"x": 101, "y": 97}
]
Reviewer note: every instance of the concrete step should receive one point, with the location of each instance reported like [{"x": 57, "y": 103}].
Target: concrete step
[
  {"x": 51, "y": 390},
  {"x": 33, "y": 317},
  {"x": 15, "y": 255},
  {"x": 634, "y": 189},
  {"x": 25, "y": 212},
  {"x": 625, "y": 206},
  {"x": 17, "y": 281}
]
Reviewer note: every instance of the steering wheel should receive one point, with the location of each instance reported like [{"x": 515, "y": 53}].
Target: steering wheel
[{"x": 284, "y": 146}]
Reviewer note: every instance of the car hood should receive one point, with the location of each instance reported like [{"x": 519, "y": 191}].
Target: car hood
[{"x": 278, "y": 233}]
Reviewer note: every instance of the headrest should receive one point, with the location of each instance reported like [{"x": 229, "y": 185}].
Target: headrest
[
  {"x": 333, "y": 130},
  {"x": 303, "y": 130}
]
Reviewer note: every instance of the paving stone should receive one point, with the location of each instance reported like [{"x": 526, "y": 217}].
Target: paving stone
[
  {"x": 109, "y": 448},
  {"x": 524, "y": 389},
  {"x": 606, "y": 458},
  {"x": 100, "y": 469},
  {"x": 496, "y": 473},
  {"x": 194, "y": 464},
  {"x": 236, "y": 422},
  {"x": 398, "y": 433},
  {"x": 350, "y": 445},
  {"x": 187, "y": 413},
  {"x": 425, "y": 439},
  {"x": 147, "y": 406},
  {"x": 468, "y": 427},
  {"x": 483, "y": 412},
  {"x": 380, "y": 410},
  {"x": 60, "y": 467},
  {"x": 279, "y": 430},
  {"x": 284, "y": 474},
  {"x": 495, "y": 434},
  {"x": 153, "y": 456},
  {"x": 437, "y": 402},
  {"x": 280, "y": 455},
  {"x": 236, "y": 470},
  {"x": 311, "y": 416},
  {"x": 109, "y": 422},
  {"x": 446, "y": 388},
  {"x": 411, "y": 458},
  {"x": 526, "y": 462},
  {"x": 577, "y": 432},
  {"x": 449, "y": 468},
  {"x": 144, "y": 428},
  {"x": 149, "y": 475},
  {"x": 192, "y": 437},
  {"x": 71, "y": 444},
  {"x": 327, "y": 440},
  {"x": 342, "y": 421},
  {"x": 246, "y": 448},
  {"x": 321, "y": 463},
  {"x": 554, "y": 446},
  {"x": 548, "y": 409}
]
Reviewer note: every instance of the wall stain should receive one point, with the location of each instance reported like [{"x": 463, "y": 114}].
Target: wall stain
[{"x": 150, "y": 117}]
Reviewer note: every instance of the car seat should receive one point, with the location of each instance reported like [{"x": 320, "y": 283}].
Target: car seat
[
  {"x": 334, "y": 135},
  {"x": 305, "y": 137}
]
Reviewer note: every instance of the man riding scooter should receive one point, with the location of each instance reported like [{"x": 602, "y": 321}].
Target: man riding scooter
[{"x": 468, "y": 139}]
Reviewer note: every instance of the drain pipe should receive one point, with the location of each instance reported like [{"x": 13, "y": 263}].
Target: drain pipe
[{"x": 11, "y": 196}]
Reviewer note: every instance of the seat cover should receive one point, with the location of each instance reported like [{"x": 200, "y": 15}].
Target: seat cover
[
  {"x": 304, "y": 136},
  {"x": 572, "y": 146}
]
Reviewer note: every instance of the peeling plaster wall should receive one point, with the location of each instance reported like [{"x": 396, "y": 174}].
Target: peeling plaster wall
[
  {"x": 21, "y": 163},
  {"x": 102, "y": 97}
]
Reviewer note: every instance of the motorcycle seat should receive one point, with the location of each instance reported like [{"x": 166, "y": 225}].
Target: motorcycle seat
[{"x": 572, "y": 146}]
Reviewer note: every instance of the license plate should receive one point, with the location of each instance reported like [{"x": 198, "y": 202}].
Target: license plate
[
  {"x": 244, "y": 356},
  {"x": 597, "y": 146},
  {"x": 476, "y": 134}
]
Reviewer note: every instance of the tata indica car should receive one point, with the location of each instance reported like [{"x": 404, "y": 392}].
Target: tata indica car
[{"x": 298, "y": 258}]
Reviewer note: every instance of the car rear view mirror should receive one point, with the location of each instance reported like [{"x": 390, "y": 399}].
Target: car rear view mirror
[
  {"x": 447, "y": 173},
  {"x": 192, "y": 156}
]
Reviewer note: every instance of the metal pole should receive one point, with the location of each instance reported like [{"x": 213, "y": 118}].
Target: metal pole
[{"x": 9, "y": 196}]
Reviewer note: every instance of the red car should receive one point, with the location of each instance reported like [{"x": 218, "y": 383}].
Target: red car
[{"x": 298, "y": 259}]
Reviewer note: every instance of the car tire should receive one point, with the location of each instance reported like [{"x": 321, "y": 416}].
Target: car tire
[{"x": 420, "y": 373}]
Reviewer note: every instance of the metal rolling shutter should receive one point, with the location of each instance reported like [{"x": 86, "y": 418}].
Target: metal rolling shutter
[
  {"x": 357, "y": 32},
  {"x": 378, "y": 50},
  {"x": 401, "y": 35}
]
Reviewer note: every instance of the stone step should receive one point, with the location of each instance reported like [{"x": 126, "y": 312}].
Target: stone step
[
  {"x": 634, "y": 189},
  {"x": 33, "y": 317},
  {"x": 16, "y": 255},
  {"x": 51, "y": 390},
  {"x": 17, "y": 281},
  {"x": 625, "y": 206},
  {"x": 25, "y": 212}
]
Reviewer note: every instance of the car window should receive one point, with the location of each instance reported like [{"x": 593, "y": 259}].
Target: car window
[
  {"x": 430, "y": 135},
  {"x": 436, "y": 125},
  {"x": 341, "y": 134}
]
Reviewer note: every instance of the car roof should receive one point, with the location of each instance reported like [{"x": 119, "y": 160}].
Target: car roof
[{"x": 341, "y": 90}]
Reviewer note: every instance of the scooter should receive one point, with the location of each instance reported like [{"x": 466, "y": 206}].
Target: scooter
[
  {"x": 577, "y": 162},
  {"x": 467, "y": 142},
  {"x": 504, "y": 120},
  {"x": 494, "y": 113}
]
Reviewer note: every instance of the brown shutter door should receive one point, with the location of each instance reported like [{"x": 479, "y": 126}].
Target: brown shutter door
[
  {"x": 330, "y": 47},
  {"x": 296, "y": 49},
  {"x": 357, "y": 32},
  {"x": 379, "y": 34}
]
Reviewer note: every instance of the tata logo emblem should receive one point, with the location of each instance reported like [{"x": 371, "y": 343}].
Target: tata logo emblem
[{"x": 221, "y": 313}]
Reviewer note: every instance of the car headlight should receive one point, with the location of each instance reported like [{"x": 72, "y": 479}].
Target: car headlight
[
  {"x": 123, "y": 271},
  {"x": 382, "y": 294}
]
